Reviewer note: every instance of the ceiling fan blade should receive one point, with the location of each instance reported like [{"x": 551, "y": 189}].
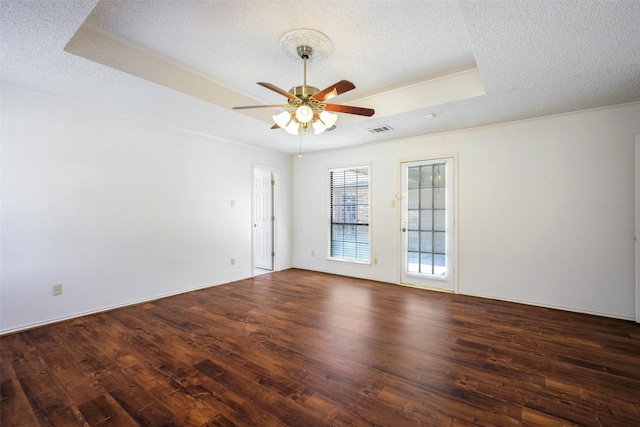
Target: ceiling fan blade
[
  {"x": 335, "y": 89},
  {"x": 277, "y": 90},
  {"x": 245, "y": 107},
  {"x": 360, "y": 111}
]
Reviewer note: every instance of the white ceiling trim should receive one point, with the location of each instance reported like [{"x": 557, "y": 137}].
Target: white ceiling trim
[
  {"x": 97, "y": 45},
  {"x": 454, "y": 87}
]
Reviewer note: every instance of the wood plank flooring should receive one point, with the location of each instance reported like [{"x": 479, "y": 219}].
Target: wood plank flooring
[{"x": 301, "y": 348}]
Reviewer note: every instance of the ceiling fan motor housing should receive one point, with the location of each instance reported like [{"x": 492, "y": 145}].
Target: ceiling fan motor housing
[
  {"x": 304, "y": 91},
  {"x": 304, "y": 94}
]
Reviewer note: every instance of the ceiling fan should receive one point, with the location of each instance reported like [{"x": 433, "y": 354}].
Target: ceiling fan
[{"x": 307, "y": 105}]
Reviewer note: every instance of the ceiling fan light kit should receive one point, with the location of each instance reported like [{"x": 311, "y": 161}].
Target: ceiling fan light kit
[{"x": 306, "y": 104}]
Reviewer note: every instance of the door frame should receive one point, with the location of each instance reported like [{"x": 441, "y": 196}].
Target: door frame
[
  {"x": 274, "y": 198},
  {"x": 637, "y": 227},
  {"x": 398, "y": 203}
]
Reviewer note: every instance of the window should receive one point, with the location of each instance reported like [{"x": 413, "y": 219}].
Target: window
[{"x": 349, "y": 237}]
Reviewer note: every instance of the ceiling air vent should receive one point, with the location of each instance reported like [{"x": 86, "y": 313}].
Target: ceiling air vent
[{"x": 379, "y": 129}]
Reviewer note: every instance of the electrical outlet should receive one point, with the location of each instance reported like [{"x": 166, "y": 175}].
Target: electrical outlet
[
  {"x": 233, "y": 203},
  {"x": 57, "y": 289},
  {"x": 375, "y": 260},
  {"x": 393, "y": 203},
  {"x": 313, "y": 253},
  {"x": 233, "y": 261}
]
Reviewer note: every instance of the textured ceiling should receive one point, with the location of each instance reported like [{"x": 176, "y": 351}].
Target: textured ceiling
[{"x": 185, "y": 63}]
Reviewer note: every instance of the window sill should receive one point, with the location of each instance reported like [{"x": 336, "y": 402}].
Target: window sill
[{"x": 348, "y": 261}]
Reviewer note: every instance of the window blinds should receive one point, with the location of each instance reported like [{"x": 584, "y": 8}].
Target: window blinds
[{"x": 349, "y": 214}]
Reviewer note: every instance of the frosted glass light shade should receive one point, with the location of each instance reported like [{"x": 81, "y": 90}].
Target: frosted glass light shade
[
  {"x": 318, "y": 127},
  {"x": 282, "y": 119},
  {"x": 292, "y": 127},
  {"x": 286, "y": 122},
  {"x": 304, "y": 114},
  {"x": 328, "y": 118},
  {"x": 324, "y": 122}
]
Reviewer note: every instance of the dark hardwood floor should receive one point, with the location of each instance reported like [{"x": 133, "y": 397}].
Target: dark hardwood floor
[{"x": 301, "y": 348}]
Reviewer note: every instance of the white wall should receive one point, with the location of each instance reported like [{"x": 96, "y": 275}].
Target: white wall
[
  {"x": 119, "y": 210},
  {"x": 546, "y": 209}
]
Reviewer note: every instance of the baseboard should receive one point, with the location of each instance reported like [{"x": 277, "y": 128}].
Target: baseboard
[
  {"x": 555, "y": 307},
  {"x": 109, "y": 308}
]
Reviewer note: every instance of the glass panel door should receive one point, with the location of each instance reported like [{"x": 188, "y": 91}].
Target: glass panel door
[{"x": 427, "y": 223}]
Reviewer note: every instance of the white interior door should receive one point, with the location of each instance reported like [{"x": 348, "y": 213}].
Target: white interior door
[
  {"x": 264, "y": 218},
  {"x": 427, "y": 224}
]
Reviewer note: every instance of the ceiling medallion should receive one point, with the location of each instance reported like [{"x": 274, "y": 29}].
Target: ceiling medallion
[{"x": 290, "y": 41}]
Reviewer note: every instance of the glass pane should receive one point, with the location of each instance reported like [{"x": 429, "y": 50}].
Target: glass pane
[
  {"x": 363, "y": 234},
  {"x": 337, "y": 196},
  {"x": 413, "y": 219},
  {"x": 351, "y": 214},
  {"x": 439, "y": 220},
  {"x": 440, "y": 267},
  {"x": 413, "y": 264},
  {"x": 439, "y": 198},
  {"x": 362, "y": 252},
  {"x": 426, "y": 242},
  {"x": 336, "y": 232},
  {"x": 439, "y": 243},
  {"x": 414, "y": 199},
  {"x": 413, "y": 241},
  {"x": 426, "y": 263},
  {"x": 337, "y": 178},
  {"x": 336, "y": 248},
  {"x": 426, "y": 198},
  {"x": 414, "y": 177},
  {"x": 337, "y": 214},
  {"x": 350, "y": 233},
  {"x": 439, "y": 175},
  {"x": 363, "y": 214},
  {"x": 350, "y": 177},
  {"x": 363, "y": 175},
  {"x": 349, "y": 195},
  {"x": 426, "y": 220},
  {"x": 426, "y": 176},
  {"x": 363, "y": 195},
  {"x": 349, "y": 249}
]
